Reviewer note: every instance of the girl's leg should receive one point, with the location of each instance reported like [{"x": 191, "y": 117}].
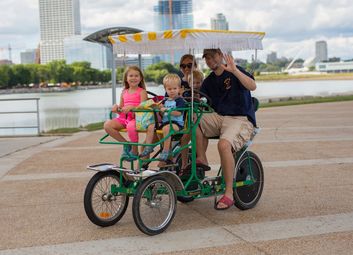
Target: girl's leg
[
  {"x": 112, "y": 127},
  {"x": 133, "y": 135},
  {"x": 149, "y": 139}
]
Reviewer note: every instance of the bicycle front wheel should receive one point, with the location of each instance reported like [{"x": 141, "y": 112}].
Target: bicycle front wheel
[{"x": 154, "y": 205}]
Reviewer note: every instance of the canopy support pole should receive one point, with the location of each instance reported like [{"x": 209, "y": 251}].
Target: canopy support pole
[{"x": 113, "y": 79}]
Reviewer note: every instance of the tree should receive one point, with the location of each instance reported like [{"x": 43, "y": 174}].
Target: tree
[
  {"x": 43, "y": 73},
  {"x": 21, "y": 75},
  {"x": 5, "y": 73},
  {"x": 60, "y": 72},
  {"x": 156, "y": 72}
]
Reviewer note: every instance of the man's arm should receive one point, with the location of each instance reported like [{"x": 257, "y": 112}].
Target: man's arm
[{"x": 245, "y": 80}]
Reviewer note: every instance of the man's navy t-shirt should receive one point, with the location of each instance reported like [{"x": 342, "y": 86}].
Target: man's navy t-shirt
[{"x": 229, "y": 97}]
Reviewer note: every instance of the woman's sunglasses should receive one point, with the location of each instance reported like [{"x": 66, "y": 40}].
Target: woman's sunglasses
[{"x": 183, "y": 66}]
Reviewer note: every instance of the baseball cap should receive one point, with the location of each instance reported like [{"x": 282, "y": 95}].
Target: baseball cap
[{"x": 211, "y": 52}]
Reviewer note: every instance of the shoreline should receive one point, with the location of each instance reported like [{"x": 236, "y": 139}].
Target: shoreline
[
  {"x": 261, "y": 78},
  {"x": 60, "y": 89}
]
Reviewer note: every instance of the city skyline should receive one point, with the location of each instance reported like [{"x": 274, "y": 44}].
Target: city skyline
[{"x": 286, "y": 32}]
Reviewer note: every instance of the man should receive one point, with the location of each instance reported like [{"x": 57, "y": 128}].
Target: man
[{"x": 228, "y": 86}]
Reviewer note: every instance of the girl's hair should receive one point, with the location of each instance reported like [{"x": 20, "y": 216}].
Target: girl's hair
[
  {"x": 188, "y": 56},
  {"x": 171, "y": 77},
  {"x": 196, "y": 75},
  {"x": 135, "y": 68}
]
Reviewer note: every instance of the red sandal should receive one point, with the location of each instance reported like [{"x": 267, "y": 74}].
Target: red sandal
[{"x": 226, "y": 201}]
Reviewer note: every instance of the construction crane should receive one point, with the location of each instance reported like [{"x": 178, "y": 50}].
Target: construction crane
[{"x": 9, "y": 50}]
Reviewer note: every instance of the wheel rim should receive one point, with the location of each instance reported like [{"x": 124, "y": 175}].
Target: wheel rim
[
  {"x": 157, "y": 205},
  {"x": 105, "y": 205},
  {"x": 249, "y": 193}
]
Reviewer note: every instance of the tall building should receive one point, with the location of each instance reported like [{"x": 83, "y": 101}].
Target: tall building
[
  {"x": 173, "y": 14},
  {"x": 76, "y": 50},
  {"x": 321, "y": 51},
  {"x": 271, "y": 58},
  {"x": 28, "y": 56},
  {"x": 58, "y": 19},
  {"x": 219, "y": 22}
]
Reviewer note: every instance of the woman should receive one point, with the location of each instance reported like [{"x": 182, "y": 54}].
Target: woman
[{"x": 187, "y": 63}]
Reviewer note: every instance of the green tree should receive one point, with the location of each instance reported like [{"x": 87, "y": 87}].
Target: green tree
[
  {"x": 155, "y": 75},
  {"x": 60, "y": 72},
  {"x": 120, "y": 74},
  {"x": 105, "y": 75},
  {"x": 21, "y": 75},
  {"x": 43, "y": 73},
  {"x": 5, "y": 73},
  {"x": 156, "y": 72}
]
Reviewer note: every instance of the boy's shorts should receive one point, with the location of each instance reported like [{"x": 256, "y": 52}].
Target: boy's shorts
[{"x": 235, "y": 129}]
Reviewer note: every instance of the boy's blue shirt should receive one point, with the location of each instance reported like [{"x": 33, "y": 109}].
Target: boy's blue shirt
[{"x": 171, "y": 104}]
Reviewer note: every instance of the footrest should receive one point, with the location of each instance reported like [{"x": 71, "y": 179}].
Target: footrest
[{"x": 101, "y": 167}]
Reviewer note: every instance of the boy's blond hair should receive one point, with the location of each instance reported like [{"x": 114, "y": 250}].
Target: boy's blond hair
[
  {"x": 171, "y": 77},
  {"x": 197, "y": 75}
]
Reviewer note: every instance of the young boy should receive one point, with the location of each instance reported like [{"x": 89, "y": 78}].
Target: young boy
[
  {"x": 197, "y": 82},
  {"x": 172, "y": 85}
]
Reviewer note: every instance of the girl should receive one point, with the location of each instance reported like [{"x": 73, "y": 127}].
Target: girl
[{"x": 132, "y": 95}]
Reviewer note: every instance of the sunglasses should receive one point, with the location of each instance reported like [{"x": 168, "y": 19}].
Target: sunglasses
[{"x": 183, "y": 66}]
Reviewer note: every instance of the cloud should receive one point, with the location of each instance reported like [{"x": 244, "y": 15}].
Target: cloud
[{"x": 289, "y": 25}]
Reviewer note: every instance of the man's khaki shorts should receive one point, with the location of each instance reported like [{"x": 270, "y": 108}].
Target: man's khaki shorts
[{"x": 235, "y": 129}]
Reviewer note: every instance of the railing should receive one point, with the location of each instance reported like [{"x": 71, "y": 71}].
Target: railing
[{"x": 25, "y": 112}]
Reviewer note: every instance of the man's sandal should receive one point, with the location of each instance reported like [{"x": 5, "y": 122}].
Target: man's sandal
[{"x": 226, "y": 201}]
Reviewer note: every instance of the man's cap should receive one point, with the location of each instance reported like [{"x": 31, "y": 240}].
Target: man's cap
[{"x": 211, "y": 52}]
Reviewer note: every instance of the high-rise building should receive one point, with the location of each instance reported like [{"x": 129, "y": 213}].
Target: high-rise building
[
  {"x": 76, "y": 50},
  {"x": 173, "y": 14},
  {"x": 58, "y": 19},
  {"x": 271, "y": 58},
  {"x": 28, "y": 56},
  {"x": 321, "y": 51},
  {"x": 219, "y": 22}
]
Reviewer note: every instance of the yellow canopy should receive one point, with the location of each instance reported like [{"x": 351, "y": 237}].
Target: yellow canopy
[{"x": 185, "y": 40}]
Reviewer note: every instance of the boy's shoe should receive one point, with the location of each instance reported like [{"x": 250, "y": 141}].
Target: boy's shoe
[
  {"x": 146, "y": 151},
  {"x": 163, "y": 156}
]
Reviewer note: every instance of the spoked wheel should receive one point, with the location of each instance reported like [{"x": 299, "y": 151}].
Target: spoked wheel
[
  {"x": 249, "y": 168},
  {"x": 154, "y": 205},
  {"x": 102, "y": 207}
]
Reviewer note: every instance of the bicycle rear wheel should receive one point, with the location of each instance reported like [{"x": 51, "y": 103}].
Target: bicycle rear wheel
[{"x": 249, "y": 168}]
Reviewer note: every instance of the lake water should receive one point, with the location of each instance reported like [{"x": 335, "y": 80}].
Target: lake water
[{"x": 81, "y": 107}]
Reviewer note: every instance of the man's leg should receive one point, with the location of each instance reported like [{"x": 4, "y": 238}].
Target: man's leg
[{"x": 228, "y": 165}]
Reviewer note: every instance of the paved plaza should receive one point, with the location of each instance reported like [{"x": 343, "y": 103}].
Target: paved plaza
[{"x": 306, "y": 206}]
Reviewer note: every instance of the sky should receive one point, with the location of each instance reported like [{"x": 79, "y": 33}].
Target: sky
[{"x": 292, "y": 26}]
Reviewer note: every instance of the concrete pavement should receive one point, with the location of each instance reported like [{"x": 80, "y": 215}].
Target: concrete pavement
[{"x": 306, "y": 206}]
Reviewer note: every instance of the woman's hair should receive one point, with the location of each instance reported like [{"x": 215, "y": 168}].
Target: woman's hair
[
  {"x": 188, "y": 56},
  {"x": 196, "y": 75},
  {"x": 171, "y": 77},
  {"x": 135, "y": 68}
]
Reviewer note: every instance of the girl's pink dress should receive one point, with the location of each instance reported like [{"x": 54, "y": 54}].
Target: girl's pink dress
[{"x": 128, "y": 119}]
